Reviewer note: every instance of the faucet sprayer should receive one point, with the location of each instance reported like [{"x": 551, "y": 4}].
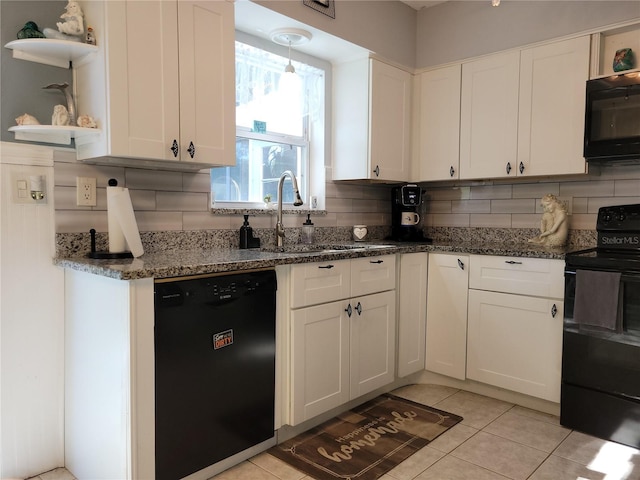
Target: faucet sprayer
[{"x": 297, "y": 201}]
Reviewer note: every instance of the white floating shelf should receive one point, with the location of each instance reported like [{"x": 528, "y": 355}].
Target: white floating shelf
[
  {"x": 60, "y": 135},
  {"x": 52, "y": 52}
]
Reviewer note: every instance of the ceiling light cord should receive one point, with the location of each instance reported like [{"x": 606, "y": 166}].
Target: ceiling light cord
[{"x": 289, "y": 68}]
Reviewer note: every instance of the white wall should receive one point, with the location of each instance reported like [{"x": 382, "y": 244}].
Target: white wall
[
  {"x": 456, "y": 30},
  {"x": 31, "y": 320}
]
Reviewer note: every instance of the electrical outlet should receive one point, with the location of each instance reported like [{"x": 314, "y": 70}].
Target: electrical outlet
[
  {"x": 86, "y": 191},
  {"x": 314, "y": 202}
]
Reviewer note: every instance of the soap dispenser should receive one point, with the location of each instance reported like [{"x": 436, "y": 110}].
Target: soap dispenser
[
  {"x": 307, "y": 230},
  {"x": 246, "y": 233}
]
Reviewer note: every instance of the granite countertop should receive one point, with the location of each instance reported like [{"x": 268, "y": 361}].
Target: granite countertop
[{"x": 195, "y": 262}]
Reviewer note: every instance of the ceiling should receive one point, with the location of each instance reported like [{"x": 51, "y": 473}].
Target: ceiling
[{"x": 418, "y": 4}]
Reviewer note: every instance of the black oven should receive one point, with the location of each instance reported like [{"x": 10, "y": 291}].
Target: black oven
[
  {"x": 601, "y": 337},
  {"x": 612, "y": 118}
]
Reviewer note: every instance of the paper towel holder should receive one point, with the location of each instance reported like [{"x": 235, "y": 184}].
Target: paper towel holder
[{"x": 102, "y": 255}]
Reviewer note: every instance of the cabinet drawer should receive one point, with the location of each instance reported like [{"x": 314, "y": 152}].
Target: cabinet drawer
[
  {"x": 373, "y": 274},
  {"x": 538, "y": 277},
  {"x": 321, "y": 282}
]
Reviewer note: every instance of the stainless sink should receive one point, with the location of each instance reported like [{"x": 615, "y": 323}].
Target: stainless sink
[{"x": 325, "y": 248}]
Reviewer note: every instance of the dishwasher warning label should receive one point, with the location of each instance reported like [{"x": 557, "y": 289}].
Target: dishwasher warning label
[{"x": 222, "y": 339}]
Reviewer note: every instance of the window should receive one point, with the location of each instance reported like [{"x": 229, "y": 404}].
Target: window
[{"x": 279, "y": 126}]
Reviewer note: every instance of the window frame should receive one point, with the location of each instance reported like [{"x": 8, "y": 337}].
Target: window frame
[{"x": 316, "y": 140}]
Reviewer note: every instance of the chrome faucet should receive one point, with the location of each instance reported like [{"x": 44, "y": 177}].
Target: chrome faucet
[{"x": 297, "y": 202}]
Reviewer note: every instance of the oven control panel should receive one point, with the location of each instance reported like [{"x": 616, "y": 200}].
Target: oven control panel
[{"x": 619, "y": 227}]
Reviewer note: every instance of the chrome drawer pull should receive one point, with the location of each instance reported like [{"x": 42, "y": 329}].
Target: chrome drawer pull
[
  {"x": 461, "y": 264},
  {"x": 554, "y": 310},
  {"x": 513, "y": 262},
  {"x": 359, "y": 308},
  {"x": 348, "y": 310}
]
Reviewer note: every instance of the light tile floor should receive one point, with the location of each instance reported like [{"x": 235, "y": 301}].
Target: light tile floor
[{"x": 496, "y": 440}]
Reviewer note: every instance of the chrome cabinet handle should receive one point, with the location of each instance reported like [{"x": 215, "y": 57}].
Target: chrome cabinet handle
[
  {"x": 452, "y": 171},
  {"x": 174, "y": 148},
  {"x": 377, "y": 171},
  {"x": 359, "y": 308},
  {"x": 508, "y": 168},
  {"x": 461, "y": 264},
  {"x": 513, "y": 262},
  {"x": 521, "y": 168},
  {"x": 191, "y": 149},
  {"x": 376, "y": 261},
  {"x": 325, "y": 266},
  {"x": 348, "y": 310},
  {"x": 554, "y": 311}
]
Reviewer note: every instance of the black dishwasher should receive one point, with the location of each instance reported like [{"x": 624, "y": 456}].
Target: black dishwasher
[{"x": 214, "y": 368}]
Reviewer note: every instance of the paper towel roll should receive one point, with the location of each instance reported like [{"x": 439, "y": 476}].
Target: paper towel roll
[
  {"x": 117, "y": 243},
  {"x": 122, "y": 210}
]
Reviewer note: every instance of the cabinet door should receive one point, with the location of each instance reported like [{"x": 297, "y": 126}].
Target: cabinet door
[
  {"x": 373, "y": 340},
  {"x": 207, "y": 79},
  {"x": 551, "y": 114},
  {"x": 389, "y": 122},
  {"x": 320, "y": 360},
  {"x": 438, "y": 133},
  {"x": 489, "y": 116},
  {"x": 446, "y": 347},
  {"x": 515, "y": 342},
  {"x": 132, "y": 88},
  {"x": 373, "y": 274},
  {"x": 314, "y": 283},
  {"x": 412, "y": 312}
]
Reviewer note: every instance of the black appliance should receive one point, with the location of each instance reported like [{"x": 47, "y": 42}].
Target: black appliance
[
  {"x": 601, "y": 337},
  {"x": 612, "y": 119},
  {"x": 214, "y": 369},
  {"x": 406, "y": 224}
]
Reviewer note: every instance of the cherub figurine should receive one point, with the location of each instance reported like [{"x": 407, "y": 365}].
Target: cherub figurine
[
  {"x": 554, "y": 228},
  {"x": 73, "y": 19},
  {"x": 73, "y": 26}
]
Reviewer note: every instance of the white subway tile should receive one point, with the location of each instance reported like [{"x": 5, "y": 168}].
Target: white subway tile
[
  {"x": 159, "y": 221},
  {"x": 140, "y": 179},
  {"x": 339, "y": 205},
  {"x": 490, "y": 220},
  {"x": 77, "y": 221},
  {"x": 597, "y": 202},
  {"x": 525, "y": 220},
  {"x": 471, "y": 206},
  {"x": 450, "y": 220},
  {"x": 448, "y": 193},
  {"x": 490, "y": 192},
  {"x": 535, "y": 190},
  {"x": 627, "y": 188},
  {"x": 524, "y": 205},
  {"x": 597, "y": 188},
  {"x": 438, "y": 207},
  {"x": 196, "y": 182},
  {"x": 142, "y": 199},
  {"x": 583, "y": 221},
  {"x": 207, "y": 221},
  {"x": 182, "y": 201},
  {"x": 580, "y": 205}
]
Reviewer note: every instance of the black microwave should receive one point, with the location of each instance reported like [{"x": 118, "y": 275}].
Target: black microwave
[{"x": 612, "y": 119}]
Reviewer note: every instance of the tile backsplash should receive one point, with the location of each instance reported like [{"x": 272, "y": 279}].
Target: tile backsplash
[{"x": 172, "y": 201}]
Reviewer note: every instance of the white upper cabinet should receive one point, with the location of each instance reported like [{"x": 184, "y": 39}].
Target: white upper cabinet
[
  {"x": 163, "y": 85},
  {"x": 489, "y": 116},
  {"x": 437, "y": 138},
  {"x": 551, "y": 113},
  {"x": 371, "y": 121}
]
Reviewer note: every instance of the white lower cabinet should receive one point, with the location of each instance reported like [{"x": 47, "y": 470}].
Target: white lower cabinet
[
  {"x": 446, "y": 346},
  {"x": 345, "y": 348},
  {"x": 514, "y": 338},
  {"x": 412, "y": 312},
  {"x": 515, "y": 342}
]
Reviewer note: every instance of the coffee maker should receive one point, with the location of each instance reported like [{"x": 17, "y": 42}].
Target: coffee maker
[{"x": 405, "y": 215}]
